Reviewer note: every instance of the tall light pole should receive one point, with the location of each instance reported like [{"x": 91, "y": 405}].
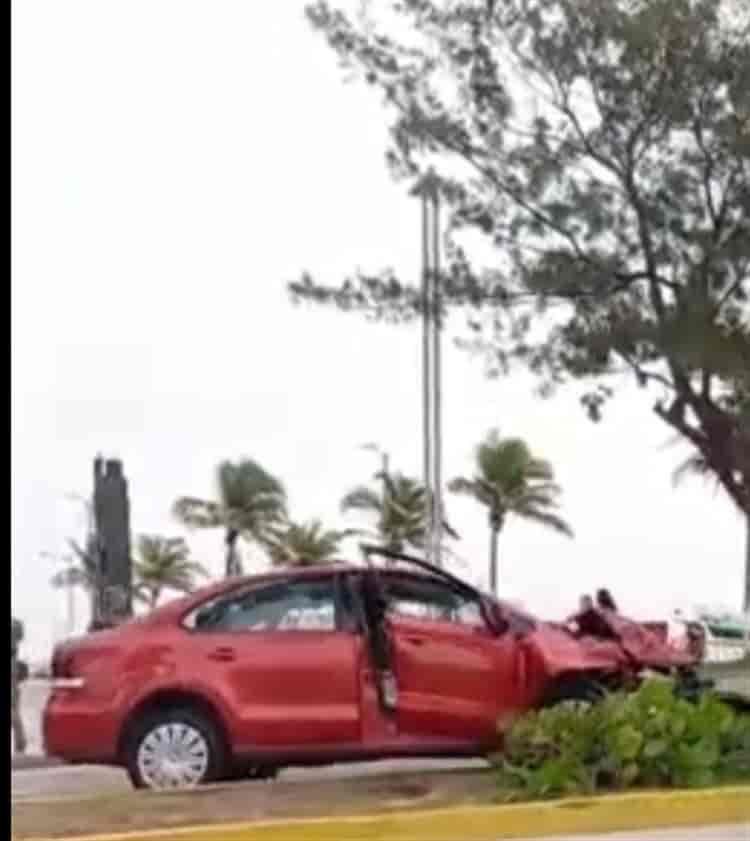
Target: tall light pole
[{"x": 432, "y": 432}]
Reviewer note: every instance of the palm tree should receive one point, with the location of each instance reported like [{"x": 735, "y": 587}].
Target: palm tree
[
  {"x": 401, "y": 510},
  {"x": 250, "y": 503},
  {"x": 305, "y": 544},
  {"x": 696, "y": 465},
  {"x": 163, "y": 563},
  {"x": 83, "y": 573},
  {"x": 511, "y": 480}
]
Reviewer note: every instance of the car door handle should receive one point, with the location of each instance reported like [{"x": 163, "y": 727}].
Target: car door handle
[
  {"x": 415, "y": 640},
  {"x": 223, "y": 654}
]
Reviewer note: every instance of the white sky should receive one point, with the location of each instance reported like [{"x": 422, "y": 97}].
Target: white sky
[{"x": 175, "y": 163}]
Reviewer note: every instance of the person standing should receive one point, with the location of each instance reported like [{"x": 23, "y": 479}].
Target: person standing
[
  {"x": 604, "y": 600},
  {"x": 17, "y": 675}
]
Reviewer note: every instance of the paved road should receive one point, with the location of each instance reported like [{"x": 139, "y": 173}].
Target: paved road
[{"x": 69, "y": 780}]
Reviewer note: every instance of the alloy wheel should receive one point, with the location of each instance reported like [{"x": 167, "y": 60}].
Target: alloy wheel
[{"x": 173, "y": 755}]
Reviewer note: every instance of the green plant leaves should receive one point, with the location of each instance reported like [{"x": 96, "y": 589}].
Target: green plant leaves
[
  {"x": 655, "y": 748},
  {"x": 647, "y": 738},
  {"x": 625, "y": 743}
]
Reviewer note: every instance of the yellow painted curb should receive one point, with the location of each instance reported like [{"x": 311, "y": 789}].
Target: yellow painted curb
[{"x": 652, "y": 810}]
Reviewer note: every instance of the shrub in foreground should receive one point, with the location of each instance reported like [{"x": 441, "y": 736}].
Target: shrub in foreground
[{"x": 649, "y": 738}]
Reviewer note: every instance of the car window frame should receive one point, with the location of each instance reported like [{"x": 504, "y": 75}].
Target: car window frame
[
  {"x": 243, "y": 590},
  {"x": 418, "y": 579}
]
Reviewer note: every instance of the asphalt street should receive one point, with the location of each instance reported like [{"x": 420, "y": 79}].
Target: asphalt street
[{"x": 70, "y": 780}]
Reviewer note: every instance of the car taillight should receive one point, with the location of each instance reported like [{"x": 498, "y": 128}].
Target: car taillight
[{"x": 68, "y": 683}]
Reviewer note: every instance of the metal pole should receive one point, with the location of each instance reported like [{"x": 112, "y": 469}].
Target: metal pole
[
  {"x": 437, "y": 374},
  {"x": 426, "y": 376}
]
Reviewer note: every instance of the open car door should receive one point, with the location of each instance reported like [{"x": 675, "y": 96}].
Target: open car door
[{"x": 454, "y": 673}]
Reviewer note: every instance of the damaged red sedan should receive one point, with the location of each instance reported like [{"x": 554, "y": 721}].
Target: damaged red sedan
[{"x": 327, "y": 664}]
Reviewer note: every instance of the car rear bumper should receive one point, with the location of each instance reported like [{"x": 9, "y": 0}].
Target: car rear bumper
[{"x": 78, "y": 728}]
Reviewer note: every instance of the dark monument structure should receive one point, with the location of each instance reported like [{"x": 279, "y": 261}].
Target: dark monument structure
[{"x": 114, "y": 601}]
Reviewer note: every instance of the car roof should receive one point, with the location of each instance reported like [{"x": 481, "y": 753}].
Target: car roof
[{"x": 180, "y": 606}]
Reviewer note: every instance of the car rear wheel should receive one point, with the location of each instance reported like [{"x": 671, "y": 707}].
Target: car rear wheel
[{"x": 174, "y": 749}]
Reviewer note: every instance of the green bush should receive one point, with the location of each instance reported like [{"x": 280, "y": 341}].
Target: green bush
[{"x": 649, "y": 738}]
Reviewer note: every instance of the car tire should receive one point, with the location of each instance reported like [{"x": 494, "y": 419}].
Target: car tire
[
  {"x": 581, "y": 689},
  {"x": 200, "y": 755}
]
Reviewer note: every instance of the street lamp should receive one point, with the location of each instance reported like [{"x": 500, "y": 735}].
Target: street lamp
[{"x": 432, "y": 398}]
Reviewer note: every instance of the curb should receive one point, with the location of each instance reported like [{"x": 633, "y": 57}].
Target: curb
[{"x": 642, "y": 811}]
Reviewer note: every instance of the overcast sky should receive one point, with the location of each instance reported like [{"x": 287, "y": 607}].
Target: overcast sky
[{"x": 175, "y": 163}]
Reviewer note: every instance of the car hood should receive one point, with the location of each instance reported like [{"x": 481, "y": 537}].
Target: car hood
[
  {"x": 625, "y": 645},
  {"x": 560, "y": 651},
  {"x": 645, "y": 646}
]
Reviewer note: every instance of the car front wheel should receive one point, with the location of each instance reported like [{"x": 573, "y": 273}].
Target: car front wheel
[{"x": 174, "y": 749}]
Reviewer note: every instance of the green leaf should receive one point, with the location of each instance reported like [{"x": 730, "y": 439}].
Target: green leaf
[
  {"x": 654, "y": 748},
  {"x": 627, "y": 742}
]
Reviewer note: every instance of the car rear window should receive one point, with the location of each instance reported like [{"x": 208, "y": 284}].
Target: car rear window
[{"x": 301, "y": 605}]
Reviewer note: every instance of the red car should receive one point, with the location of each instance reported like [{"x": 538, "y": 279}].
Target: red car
[{"x": 317, "y": 665}]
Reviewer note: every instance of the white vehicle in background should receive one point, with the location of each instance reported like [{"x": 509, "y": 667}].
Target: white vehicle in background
[{"x": 726, "y": 633}]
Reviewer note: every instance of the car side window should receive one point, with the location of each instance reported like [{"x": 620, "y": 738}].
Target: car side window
[
  {"x": 303, "y": 605},
  {"x": 431, "y": 600}
]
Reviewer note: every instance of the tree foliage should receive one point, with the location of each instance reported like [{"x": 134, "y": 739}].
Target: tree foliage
[
  {"x": 305, "y": 544},
  {"x": 400, "y": 507},
  {"x": 84, "y": 571},
  {"x": 250, "y": 503},
  {"x": 509, "y": 479},
  {"x": 163, "y": 563},
  {"x": 595, "y": 162}
]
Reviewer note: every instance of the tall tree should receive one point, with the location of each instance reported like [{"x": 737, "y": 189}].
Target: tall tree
[
  {"x": 250, "y": 502},
  {"x": 305, "y": 544},
  {"x": 602, "y": 151},
  {"x": 163, "y": 563},
  {"x": 400, "y": 510},
  {"x": 509, "y": 480}
]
